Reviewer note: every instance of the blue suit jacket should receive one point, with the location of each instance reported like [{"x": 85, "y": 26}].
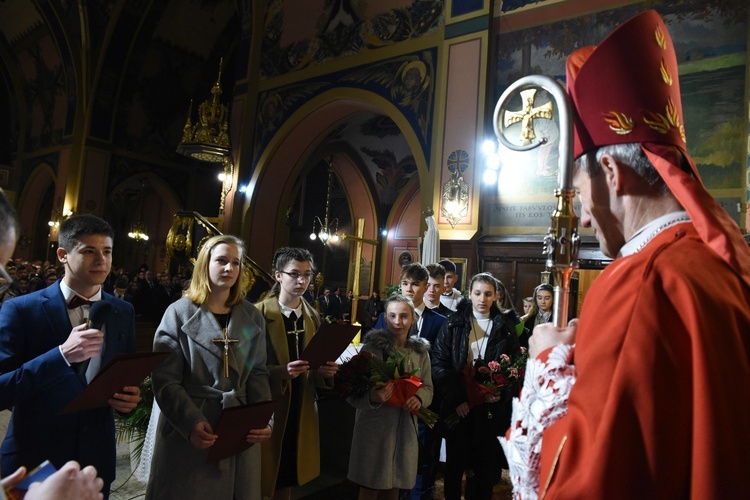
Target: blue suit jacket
[
  {"x": 431, "y": 324},
  {"x": 31, "y": 329}
]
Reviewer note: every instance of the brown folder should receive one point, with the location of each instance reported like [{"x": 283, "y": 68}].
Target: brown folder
[
  {"x": 233, "y": 426},
  {"x": 122, "y": 370},
  {"x": 328, "y": 343}
]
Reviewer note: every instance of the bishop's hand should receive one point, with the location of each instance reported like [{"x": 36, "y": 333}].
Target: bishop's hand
[{"x": 548, "y": 335}]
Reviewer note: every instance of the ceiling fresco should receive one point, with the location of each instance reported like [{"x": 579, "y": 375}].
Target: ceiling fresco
[
  {"x": 380, "y": 149},
  {"x": 406, "y": 81},
  {"x": 342, "y": 29}
]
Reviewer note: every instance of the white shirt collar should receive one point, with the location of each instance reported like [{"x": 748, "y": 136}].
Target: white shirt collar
[
  {"x": 287, "y": 311},
  {"x": 420, "y": 309},
  {"x": 69, "y": 292},
  {"x": 647, "y": 232}
]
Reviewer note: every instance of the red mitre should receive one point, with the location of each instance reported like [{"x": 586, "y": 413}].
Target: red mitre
[{"x": 626, "y": 90}]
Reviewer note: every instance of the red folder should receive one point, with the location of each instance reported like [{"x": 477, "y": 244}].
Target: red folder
[
  {"x": 122, "y": 370},
  {"x": 233, "y": 426},
  {"x": 328, "y": 343}
]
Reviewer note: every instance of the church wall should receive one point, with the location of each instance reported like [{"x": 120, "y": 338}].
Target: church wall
[
  {"x": 304, "y": 19},
  {"x": 102, "y": 111},
  {"x": 389, "y": 77},
  {"x": 402, "y": 243},
  {"x": 434, "y": 79},
  {"x": 278, "y": 166},
  {"x": 710, "y": 39},
  {"x": 31, "y": 217},
  {"x": 361, "y": 206},
  {"x": 93, "y": 197},
  {"x": 461, "y": 134}
]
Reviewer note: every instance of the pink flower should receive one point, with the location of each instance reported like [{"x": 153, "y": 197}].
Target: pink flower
[
  {"x": 493, "y": 365},
  {"x": 514, "y": 372},
  {"x": 505, "y": 358},
  {"x": 523, "y": 350}
]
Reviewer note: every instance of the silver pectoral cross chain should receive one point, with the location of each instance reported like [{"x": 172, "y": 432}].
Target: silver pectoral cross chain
[{"x": 297, "y": 330}]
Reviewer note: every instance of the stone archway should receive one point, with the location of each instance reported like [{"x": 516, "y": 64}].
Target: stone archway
[
  {"x": 146, "y": 198},
  {"x": 297, "y": 143},
  {"x": 35, "y": 207}
]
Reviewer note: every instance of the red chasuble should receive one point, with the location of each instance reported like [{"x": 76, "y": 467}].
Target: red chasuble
[{"x": 661, "y": 406}]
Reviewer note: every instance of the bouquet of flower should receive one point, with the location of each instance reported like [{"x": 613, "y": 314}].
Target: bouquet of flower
[
  {"x": 363, "y": 371},
  {"x": 353, "y": 377},
  {"x": 490, "y": 378},
  {"x": 406, "y": 384}
]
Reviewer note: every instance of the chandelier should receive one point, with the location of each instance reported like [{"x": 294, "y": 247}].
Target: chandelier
[
  {"x": 138, "y": 232},
  {"x": 327, "y": 229},
  {"x": 57, "y": 218},
  {"x": 208, "y": 139}
]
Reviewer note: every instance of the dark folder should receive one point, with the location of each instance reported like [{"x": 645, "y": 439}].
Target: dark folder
[
  {"x": 328, "y": 343},
  {"x": 233, "y": 426},
  {"x": 122, "y": 370}
]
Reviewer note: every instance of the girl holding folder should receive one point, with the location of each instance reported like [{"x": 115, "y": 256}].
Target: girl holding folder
[
  {"x": 292, "y": 456},
  {"x": 219, "y": 361}
]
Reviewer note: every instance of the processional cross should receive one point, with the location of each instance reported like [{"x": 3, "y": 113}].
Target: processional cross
[
  {"x": 527, "y": 115},
  {"x": 359, "y": 239},
  {"x": 224, "y": 339}
]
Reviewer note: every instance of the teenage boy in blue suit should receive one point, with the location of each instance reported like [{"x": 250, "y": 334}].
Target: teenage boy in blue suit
[
  {"x": 46, "y": 331},
  {"x": 413, "y": 286}
]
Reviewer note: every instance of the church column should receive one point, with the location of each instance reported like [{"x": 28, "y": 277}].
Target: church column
[{"x": 242, "y": 122}]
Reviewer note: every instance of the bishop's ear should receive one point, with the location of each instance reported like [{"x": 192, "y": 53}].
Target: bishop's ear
[{"x": 612, "y": 170}]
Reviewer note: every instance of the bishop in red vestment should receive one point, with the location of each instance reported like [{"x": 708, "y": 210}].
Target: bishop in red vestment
[{"x": 653, "y": 401}]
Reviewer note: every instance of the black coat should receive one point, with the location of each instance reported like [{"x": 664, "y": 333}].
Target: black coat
[{"x": 451, "y": 351}]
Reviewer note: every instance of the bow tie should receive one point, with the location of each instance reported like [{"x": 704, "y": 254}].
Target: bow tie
[{"x": 78, "y": 301}]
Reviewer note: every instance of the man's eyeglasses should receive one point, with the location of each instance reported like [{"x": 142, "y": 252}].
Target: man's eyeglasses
[
  {"x": 5, "y": 279},
  {"x": 296, "y": 276}
]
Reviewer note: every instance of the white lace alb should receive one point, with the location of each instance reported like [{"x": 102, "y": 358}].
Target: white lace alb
[{"x": 543, "y": 401}]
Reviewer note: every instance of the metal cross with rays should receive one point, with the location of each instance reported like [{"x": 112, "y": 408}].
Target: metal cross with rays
[{"x": 527, "y": 115}]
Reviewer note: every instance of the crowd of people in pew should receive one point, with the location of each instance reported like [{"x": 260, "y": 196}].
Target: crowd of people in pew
[
  {"x": 150, "y": 293},
  {"x": 193, "y": 387}
]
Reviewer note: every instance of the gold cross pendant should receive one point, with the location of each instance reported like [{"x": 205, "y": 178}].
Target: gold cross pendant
[{"x": 226, "y": 341}]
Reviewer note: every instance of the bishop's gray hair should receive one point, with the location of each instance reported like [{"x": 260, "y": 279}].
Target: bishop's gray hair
[{"x": 629, "y": 154}]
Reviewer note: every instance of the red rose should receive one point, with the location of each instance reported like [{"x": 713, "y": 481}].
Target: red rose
[{"x": 500, "y": 379}]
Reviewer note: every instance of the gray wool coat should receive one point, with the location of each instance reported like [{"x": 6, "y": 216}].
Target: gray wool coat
[
  {"x": 385, "y": 446},
  {"x": 190, "y": 387}
]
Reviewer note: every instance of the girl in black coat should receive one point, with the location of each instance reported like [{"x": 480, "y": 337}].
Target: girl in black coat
[{"x": 477, "y": 329}]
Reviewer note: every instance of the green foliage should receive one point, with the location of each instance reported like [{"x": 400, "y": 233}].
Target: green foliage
[
  {"x": 397, "y": 365},
  {"x": 391, "y": 290}
]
